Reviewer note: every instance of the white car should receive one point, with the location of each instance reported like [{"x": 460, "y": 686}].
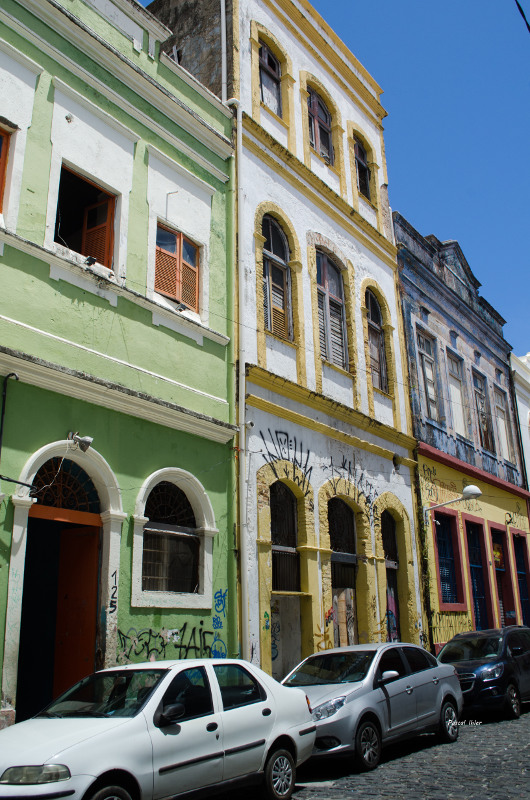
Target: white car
[
  {"x": 368, "y": 695},
  {"x": 160, "y": 730}
]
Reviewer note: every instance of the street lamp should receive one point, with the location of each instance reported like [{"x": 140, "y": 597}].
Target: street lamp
[{"x": 469, "y": 493}]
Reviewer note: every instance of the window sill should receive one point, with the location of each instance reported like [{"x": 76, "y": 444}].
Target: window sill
[
  {"x": 281, "y": 339},
  {"x": 367, "y": 201},
  {"x": 279, "y": 593},
  {"x": 97, "y": 269},
  {"x": 274, "y": 115},
  {"x": 382, "y": 393},
  {"x": 331, "y": 167},
  {"x": 334, "y": 367},
  {"x": 454, "y": 607}
]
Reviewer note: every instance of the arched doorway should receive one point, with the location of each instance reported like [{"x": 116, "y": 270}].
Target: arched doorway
[
  {"x": 341, "y": 523},
  {"x": 59, "y": 609}
]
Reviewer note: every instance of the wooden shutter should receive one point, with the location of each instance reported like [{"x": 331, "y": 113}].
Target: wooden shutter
[
  {"x": 322, "y": 326},
  {"x": 266, "y": 298},
  {"x": 97, "y": 231},
  {"x": 279, "y": 316},
  {"x": 336, "y": 332},
  {"x": 189, "y": 286},
  {"x": 166, "y": 273}
]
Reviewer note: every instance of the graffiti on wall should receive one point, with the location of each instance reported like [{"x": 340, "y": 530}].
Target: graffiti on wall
[
  {"x": 516, "y": 519},
  {"x": 359, "y": 484},
  {"x": 283, "y": 447},
  {"x": 186, "y": 641}
]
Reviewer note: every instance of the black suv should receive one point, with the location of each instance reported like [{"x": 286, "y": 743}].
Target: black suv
[{"x": 493, "y": 667}]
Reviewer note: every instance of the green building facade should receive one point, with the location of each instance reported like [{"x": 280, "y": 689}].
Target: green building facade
[{"x": 116, "y": 351}]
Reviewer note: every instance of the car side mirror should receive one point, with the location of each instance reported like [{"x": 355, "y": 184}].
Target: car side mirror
[
  {"x": 170, "y": 714},
  {"x": 389, "y": 675}
]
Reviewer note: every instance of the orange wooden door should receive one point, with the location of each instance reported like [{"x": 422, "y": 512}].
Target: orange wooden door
[{"x": 77, "y": 596}]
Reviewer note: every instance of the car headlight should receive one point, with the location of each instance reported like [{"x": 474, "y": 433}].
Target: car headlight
[
  {"x": 328, "y": 709},
  {"x": 492, "y": 672},
  {"x": 45, "y": 773}
]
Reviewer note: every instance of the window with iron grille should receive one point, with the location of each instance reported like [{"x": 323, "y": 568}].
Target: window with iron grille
[
  {"x": 482, "y": 408},
  {"x": 276, "y": 280},
  {"x": 341, "y": 522},
  {"x": 270, "y": 79},
  {"x": 4, "y": 148},
  {"x": 171, "y": 546},
  {"x": 456, "y": 394},
  {"x": 521, "y": 566},
  {"x": 363, "y": 170},
  {"x": 331, "y": 316},
  {"x": 504, "y": 435},
  {"x": 376, "y": 342},
  {"x": 319, "y": 126},
  {"x": 427, "y": 353},
  {"x": 446, "y": 559},
  {"x": 177, "y": 267},
  {"x": 84, "y": 220},
  {"x": 285, "y": 558}
]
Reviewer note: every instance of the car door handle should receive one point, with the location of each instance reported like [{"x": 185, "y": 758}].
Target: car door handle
[
  {"x": 436, "y": 680},
  {"x": 212, "y": 726},
  {"x": 409, "y": 690},
  {"x": 266, "y": 712}
]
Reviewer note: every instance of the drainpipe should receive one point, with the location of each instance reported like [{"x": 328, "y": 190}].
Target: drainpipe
[
  {"x": 223, "y": 52},
  {"x": 243, "y": 527}
]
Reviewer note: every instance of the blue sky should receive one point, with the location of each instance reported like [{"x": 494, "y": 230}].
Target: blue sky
[{"x": 456, "y": 80}]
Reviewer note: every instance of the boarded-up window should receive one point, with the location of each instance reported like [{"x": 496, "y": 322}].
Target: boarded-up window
[
  {"x": 482, "y": 408},
  {"x": 177, "y": 267},
  {"x": 456, "y": 394},
  {"x": 376, "y": 343},
  {"x": 276, "y": 280},
  {"x": 269, "y": 79},
  {"x": 285, "y": 558},
  {"x": 84, "y": 219},
  {"x": 331, "y": 317},
  {"x": 426, "y": 353},
  {"x": 503, "y": 426}
]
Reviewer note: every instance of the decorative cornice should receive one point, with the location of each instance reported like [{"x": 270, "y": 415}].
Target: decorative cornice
[
  {"x": 82, "y": 386},
  {"x": 300, "y": 394},
  {"x": 281, "y": 160}
]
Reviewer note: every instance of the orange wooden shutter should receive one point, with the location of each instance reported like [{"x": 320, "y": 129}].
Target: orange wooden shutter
[
  {"x": 97, "y": 231},
  {"x": 166, "y": 273}
]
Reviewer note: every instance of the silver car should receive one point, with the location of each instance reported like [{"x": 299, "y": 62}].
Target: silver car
[{"x": 367, "y": 695}]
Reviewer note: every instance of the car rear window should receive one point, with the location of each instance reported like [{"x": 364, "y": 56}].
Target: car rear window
[{"x": 332, "y": 668}]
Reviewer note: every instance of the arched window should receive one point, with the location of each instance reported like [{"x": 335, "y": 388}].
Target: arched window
[
  {"x": 62, "y": 483},
  {"x": 341, "y": 521},
  {"x": 376, "y": 342},
  {"x": 331, "y": 317},
  {"x": 276, "y": 280},
  {"x": 270, "y": 79},
  {"x": 388, "y": 533},
  {"x": 363, "y": 170},
  {"x": 171, "y": 545},
  {"x": 319, "y": 126},
  {"x": 285, "y": 559}
]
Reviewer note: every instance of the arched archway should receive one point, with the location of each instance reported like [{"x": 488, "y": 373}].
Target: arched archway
[{"x": 63, "y": 586}]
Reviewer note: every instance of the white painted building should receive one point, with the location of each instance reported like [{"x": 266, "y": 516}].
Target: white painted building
[{"x": 327, "y": 528}]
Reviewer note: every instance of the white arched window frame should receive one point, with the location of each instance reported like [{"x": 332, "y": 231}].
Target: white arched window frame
[{"x": 205, "y": 530}]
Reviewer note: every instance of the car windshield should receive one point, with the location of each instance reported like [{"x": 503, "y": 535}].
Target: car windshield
[
  {"x": 106, "y": 694},
  {"x": 332, "y": 668},
  {"x": 471, "y": 648}
]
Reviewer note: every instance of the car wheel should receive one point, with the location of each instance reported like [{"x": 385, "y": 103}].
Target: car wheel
[
  {"x": 368, "y": 744},
  {"x": 512, "y": 702},
  {"x": 110, "y": 793},
  {"x": 280, "y": 776},
  {"x": 448, "y": 730}
]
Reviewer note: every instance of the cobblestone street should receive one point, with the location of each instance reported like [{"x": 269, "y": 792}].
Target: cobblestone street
[{"x": 490, "y": 760}]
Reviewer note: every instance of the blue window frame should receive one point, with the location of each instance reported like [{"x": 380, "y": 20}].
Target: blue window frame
[{"x": 446, "y": 559}]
